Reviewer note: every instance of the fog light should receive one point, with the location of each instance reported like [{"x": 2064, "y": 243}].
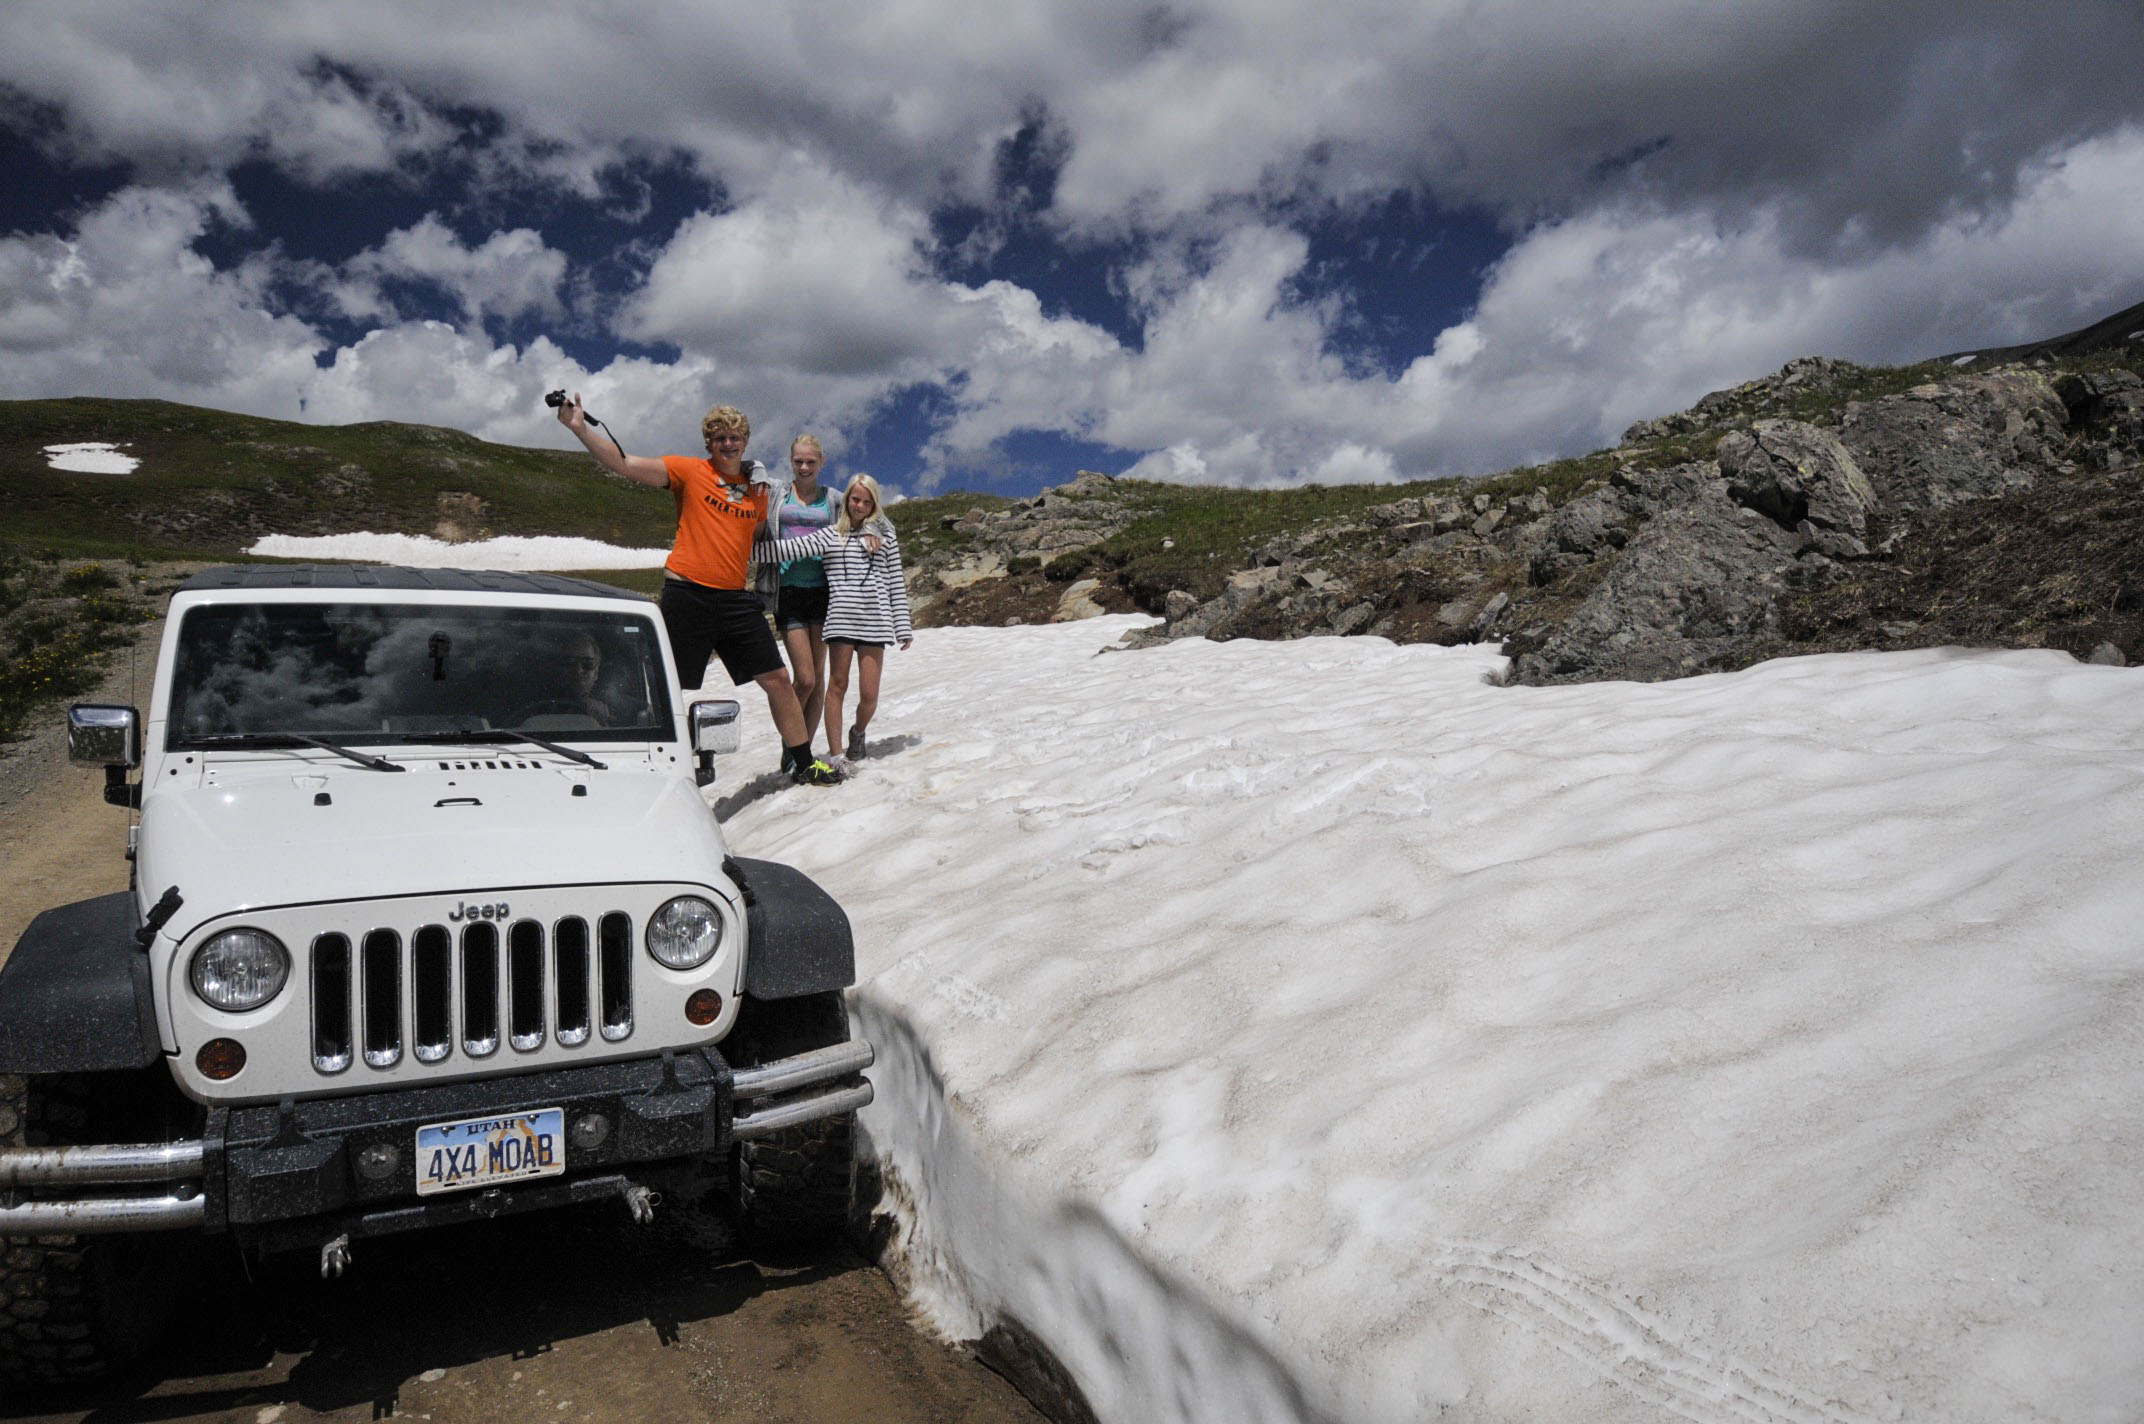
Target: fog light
[
  {"x": 590, "y": 1130},
  {"x": 704, "y": 1007},
  {"x": 220, "y": 1058},
  {"x": 378, "y": 1161}
]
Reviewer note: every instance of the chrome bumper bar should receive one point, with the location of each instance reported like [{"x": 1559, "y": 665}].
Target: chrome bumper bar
[
  {"x": 769, "y": 1098},
  {"x": 785, "y": 1076}
]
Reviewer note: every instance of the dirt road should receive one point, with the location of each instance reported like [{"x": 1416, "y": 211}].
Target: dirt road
[
  {"x": 576, "y": 1316},
  {"x": 573, "y": 1315}
]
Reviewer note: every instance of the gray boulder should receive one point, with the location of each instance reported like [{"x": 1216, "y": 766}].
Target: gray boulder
[
  {"x": 1644, "y": 493},
  {"x": 2109, "y": 406},
  {"x": 1697, "y": 584},
  {"x": 1576, "y": 534},
  {"x": 1968, "y": 438},
  {"x": 1790, "y": 472}
]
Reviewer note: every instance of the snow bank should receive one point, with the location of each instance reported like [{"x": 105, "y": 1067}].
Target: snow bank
[
  {"x": 91, "y": 457},
  {"x": 1759, "y": 1047},
  {"x": 421, "y": 552}
]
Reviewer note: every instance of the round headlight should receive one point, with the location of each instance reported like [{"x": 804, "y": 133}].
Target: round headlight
[
  {"x": 240, "y": 970},
  {"x": 685, "y": 933}
]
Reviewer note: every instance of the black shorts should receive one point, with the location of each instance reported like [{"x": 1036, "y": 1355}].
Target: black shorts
[
  {"x": 726, "y": 622},
  {"x": 797, "y": 607}
]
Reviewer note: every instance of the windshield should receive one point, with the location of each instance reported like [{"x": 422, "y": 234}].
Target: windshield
[{"x": 362, "y": 673}]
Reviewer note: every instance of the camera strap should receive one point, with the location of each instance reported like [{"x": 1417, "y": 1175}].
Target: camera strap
[{"x": 606, "y": 430}]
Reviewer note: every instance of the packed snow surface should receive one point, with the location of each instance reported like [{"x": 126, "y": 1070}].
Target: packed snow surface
[
  {"x": 422, "y": 552},
  {"x": 90, "y": 457},
  {"x": 1314, "y": 1031}
]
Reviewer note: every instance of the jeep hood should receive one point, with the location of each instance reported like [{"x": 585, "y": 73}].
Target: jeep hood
[{"x": 249, "y": 840}]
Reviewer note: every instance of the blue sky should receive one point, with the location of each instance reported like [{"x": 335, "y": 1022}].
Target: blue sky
[{"x": 984, "y": 245}]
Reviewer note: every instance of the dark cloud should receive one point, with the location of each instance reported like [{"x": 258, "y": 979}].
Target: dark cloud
[{"x": 1147, "y": 226}]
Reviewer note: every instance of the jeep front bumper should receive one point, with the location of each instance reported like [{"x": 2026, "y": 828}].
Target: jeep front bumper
[{"x": 257, "y": 1169}]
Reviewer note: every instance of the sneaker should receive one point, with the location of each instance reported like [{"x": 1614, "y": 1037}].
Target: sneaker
[
  {"x": 814, "y": 773},
  {"x": 856, "y": 744}
]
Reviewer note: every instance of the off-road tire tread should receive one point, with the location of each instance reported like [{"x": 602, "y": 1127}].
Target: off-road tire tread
[
  {"x": 792, "y": 1188},
  {"x": 53, "y": 1327}
]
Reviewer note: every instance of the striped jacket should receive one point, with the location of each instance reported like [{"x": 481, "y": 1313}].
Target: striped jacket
[{"x": 866, "y": 593}]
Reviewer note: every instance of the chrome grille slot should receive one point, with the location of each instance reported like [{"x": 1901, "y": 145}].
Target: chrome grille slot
[
  {"x": 383, "y": 998},
  {"x": 480, "y": 990},
  {"x": 331, "y": 1003},
  {"x": 569, "y": 961},
  {"x": 420, "y": 994},
  {"x": 431, "y": 976},
  {"x": 616, "y": 951},
  {"x": 525, "y": 966}
]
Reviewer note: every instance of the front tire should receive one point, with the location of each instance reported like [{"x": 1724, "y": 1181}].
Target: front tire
[
  {"x": 792, "y": 1188},
  {"x": 76, "y": 1307}
]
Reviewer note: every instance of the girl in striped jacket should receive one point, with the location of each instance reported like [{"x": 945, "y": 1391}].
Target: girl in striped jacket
[{"x": 866, "y": 606}]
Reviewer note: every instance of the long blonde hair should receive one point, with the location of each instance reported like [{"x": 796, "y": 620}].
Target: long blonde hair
[{"x": 878, "y": 522}]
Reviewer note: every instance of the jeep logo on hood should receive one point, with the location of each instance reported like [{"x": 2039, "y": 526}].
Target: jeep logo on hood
[{"x": 467, "y": 911}]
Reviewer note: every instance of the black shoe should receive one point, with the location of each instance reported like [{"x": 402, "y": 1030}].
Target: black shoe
[{"x": 814, "y": 773}]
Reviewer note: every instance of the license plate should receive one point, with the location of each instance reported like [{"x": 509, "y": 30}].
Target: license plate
[{"x": 485, "y": 1151}]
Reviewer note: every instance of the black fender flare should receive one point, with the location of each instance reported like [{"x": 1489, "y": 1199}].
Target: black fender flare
[
  {"x": 798, "y": 941},
  {"x": 75, "y": 996}
]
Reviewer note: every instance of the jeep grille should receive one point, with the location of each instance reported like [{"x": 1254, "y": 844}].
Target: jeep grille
[{"x": 437, "y": 996}]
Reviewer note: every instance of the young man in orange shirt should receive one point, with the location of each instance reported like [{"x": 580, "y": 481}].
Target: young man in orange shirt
[{"x": 705, "y": 605}]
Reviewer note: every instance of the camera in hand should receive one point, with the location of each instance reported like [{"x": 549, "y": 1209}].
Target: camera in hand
[{"x": 554, "y": 398}]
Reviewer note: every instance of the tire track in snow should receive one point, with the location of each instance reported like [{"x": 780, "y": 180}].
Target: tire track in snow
[{"x": 1625, "y": 1343}]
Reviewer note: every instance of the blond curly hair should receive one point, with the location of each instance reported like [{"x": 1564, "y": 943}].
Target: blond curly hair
[{"x": 723, "y": 417}]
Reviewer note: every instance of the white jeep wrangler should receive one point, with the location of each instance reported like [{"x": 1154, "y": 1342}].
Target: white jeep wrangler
[{"x": 430, "y": 922}]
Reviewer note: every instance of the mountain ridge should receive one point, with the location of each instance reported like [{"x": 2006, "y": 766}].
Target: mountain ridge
[{"x": 1984, "y": 499}]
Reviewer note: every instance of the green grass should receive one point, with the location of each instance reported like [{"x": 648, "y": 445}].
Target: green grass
[
  {"x": 59, "y": 623},
  {"x": 211, "y": 482}
]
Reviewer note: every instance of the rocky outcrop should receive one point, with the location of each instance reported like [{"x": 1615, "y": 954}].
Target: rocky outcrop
[
  {"x": 1799, "y": 383},
  {"x": 1802, "y": 479},
  {"x": 1022, "y": 538},
  {"x": 2107, "y": 406},
  {"x": 1966, "y": 438},
  {"x": 1694, "y": 582},
  {"x": 1054, "y": 522},
  {"x": 462, "y": 517},
  {"x": 1776, "y": 517}
]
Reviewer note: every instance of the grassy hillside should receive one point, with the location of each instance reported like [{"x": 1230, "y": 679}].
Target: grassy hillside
[{"x": 210, "y": 483}]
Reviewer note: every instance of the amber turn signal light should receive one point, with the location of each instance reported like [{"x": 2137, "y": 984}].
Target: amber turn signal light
[
  {"x": 220, "y": 1058},
  {"x": 704, "y": 1007}
]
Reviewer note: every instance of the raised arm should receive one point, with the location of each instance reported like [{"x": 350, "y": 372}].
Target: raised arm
[
  {"x": 645, "y": 468},
  {"x": 805, "y": 546}
]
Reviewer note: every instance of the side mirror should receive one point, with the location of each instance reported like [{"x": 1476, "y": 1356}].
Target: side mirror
[
  {"x": 99, "y": 734},
  {"x": 714, "y": 727}
]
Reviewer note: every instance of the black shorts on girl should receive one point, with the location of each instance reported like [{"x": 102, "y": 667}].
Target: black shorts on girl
[{"x": 800, "y": 607}]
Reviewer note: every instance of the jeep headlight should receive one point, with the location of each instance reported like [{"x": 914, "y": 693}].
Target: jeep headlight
[
  {"x": 240, "y": 970},
  {"x": 685, "y": 933}
]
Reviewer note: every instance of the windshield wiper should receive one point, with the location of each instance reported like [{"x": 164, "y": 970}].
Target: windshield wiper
[
  {"x": 277, "y": 739},
  {"x": 503, "y": 735}
]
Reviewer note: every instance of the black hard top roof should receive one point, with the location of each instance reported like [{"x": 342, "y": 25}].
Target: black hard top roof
[{"x": 380, "y": 576}]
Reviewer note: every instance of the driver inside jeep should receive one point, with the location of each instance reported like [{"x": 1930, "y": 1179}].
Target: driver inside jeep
[{"x": 576, "y": 669}]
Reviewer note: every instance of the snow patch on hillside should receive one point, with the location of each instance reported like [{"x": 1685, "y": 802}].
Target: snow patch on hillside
[
  {"x": 422, "y": 552},
  {"x": 91, "y": 457}
]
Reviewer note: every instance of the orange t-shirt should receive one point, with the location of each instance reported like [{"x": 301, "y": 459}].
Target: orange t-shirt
[{"x": 715, "y": 523}]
